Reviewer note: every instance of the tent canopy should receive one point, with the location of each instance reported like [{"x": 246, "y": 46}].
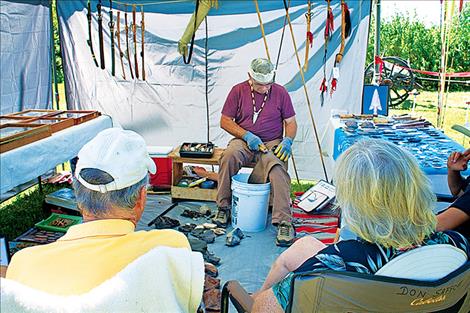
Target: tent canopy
[{"x": 179, "y": 102}]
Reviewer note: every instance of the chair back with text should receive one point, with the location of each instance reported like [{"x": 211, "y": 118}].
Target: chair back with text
[{"x": 333, "y": 291}]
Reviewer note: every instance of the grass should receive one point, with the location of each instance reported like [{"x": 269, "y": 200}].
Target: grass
[
  {"x": 24, "y": 211},
  {"x": 303, "y": 186}
]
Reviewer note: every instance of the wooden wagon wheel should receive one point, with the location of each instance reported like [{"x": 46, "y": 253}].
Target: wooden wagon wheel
[{"x": 394, "y": 70}]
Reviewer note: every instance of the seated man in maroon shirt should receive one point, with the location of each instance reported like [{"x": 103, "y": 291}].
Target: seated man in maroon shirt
[{"x": 260, "y": 115}]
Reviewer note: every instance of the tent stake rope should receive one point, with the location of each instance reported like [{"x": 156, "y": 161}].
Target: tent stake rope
[{"x": 305, "y": 91}]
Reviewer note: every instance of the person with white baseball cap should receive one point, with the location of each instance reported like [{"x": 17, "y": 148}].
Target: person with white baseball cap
[
  {"x": 121, "y": 154},
  {"x": 110, "y": 188},
  {"x": 260, "y": 115}
]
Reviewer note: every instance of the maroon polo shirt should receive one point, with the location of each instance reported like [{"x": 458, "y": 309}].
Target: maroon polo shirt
[{"x": 269, "y": 125}]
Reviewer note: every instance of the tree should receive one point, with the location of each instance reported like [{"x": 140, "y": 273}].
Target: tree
[{"x": 407, "y": 37}]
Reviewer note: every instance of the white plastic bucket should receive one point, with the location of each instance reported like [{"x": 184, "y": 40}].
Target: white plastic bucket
[{"x": 249, "y": 204}]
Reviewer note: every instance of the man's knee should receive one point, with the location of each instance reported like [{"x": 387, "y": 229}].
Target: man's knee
[
  {"x": 234, "y": 154},
  {"x": 279, "y": 173},
  {"x": 231, "y": 158}
]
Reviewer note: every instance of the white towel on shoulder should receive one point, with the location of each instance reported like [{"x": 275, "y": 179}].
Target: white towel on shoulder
[{"x": 162, "y": 280}]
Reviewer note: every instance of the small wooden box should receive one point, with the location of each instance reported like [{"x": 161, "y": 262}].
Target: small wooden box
[
  {"x": 55, "y": 123},
  {"x": 16, "y": 135},
  {"x": 179, "y": 193},
  {"x": 77, "y": 115}
]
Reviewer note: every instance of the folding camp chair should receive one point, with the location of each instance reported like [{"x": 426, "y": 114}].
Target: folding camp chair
[{"x": 333, "y": 291}]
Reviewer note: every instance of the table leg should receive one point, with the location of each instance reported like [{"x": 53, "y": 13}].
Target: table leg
[{"x": 40, "y": 184}]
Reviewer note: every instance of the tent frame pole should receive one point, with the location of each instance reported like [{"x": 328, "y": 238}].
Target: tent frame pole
[
  {"x": 377, "y": 41},
  {"x": 55, "y": 86}
]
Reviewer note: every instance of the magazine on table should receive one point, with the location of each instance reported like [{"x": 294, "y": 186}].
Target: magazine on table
[
  {"x": 64, "y": 198},
  {"x": 317, "y": 197}
]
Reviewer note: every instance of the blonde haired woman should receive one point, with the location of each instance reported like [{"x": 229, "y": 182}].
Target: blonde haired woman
[{"x": 386, "y": 200}]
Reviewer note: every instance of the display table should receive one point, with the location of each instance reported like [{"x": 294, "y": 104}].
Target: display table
[
  {"x": 194, "y": 193},
  {"x": 31, "y": 161},
  {"x": 430, "y": 146}
]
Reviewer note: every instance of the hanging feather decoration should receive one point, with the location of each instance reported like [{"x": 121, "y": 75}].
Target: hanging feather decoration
[
  {"x": 323, "y": 86},
  {"x": 345, "y": 33},
  {"x": 329, "y": 27},
  {"x": 310, "y": 38},
  {"x": 347, "y": 20},
  {"x": 333, "y": 84}
]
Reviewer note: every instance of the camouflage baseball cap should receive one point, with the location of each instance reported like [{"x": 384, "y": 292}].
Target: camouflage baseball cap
[{"x": 262, "y": 71}]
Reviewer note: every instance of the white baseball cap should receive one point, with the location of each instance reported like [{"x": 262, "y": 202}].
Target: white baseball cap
[
  {"x": 120, "y": 153},
  {"x": 262, "y": 71}
]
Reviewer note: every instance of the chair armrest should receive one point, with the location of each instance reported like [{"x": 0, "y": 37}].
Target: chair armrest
[
  {"x": 445, "y": 197},
  {"x": 240, "y": 298}
]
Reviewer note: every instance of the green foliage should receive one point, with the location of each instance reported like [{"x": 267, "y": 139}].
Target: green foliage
[
  {"x": 302, "y": 186},
  {"x": 57, "y": 52},
  {"x": 25, "y": 211},
  {"x": 407, "y": 37},
  {"x": 459, "y": 54}
]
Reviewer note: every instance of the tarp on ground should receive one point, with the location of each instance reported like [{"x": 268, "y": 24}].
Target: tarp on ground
[
  {"x": 25, "y": 63},
  {"x": 170, "y": 107}
]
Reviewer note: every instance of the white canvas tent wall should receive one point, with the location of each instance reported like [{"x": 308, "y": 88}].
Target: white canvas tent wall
[
  {"x": 170, "y": 106},
  {"x": 25, "y": 55}
]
